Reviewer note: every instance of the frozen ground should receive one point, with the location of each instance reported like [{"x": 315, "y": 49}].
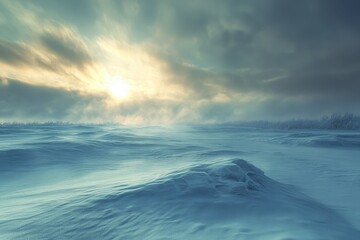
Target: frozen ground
[{"x": 63, "y": 181}]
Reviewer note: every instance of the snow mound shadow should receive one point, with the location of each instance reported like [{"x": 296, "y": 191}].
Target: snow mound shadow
[{"x": 233, "y": 200}]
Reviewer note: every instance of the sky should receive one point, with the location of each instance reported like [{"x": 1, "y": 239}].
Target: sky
[{"x": 166, "y": 61}]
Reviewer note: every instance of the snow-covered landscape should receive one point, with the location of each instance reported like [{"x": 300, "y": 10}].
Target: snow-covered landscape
[
  {"x": 68, "y": 181},
  {"x": 179, "y": 120}
]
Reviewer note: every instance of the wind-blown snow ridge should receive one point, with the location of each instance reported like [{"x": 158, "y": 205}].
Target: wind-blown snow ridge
[
  {"x": 232, "y": 200},
  {"x": 345, "y": 140}
]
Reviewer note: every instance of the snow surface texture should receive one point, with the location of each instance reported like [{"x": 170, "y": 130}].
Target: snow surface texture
[{"x": 93, "y": 182}]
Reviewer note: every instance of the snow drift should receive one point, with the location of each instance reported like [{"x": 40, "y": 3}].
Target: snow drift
[
  {"x": 232, "y": 200},
  {"x": 68, "y": 181}
]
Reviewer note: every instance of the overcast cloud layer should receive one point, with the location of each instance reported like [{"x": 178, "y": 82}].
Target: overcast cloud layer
[{"x": 185, "y": 61}]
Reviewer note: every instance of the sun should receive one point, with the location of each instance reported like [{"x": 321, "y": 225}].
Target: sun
[{"x": 117, "y": 87}]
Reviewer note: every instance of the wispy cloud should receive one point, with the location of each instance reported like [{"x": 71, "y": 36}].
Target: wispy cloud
[{"x": 190, "y": 60}]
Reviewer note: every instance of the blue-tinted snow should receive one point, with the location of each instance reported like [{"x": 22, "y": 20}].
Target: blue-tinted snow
[{"x": 64, "y": 181}]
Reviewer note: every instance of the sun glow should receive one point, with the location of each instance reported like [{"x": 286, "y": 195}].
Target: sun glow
[{"x": 117, "y": 87}]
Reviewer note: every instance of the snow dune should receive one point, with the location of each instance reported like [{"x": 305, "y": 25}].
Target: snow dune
[{"x": 232, "y": 200}]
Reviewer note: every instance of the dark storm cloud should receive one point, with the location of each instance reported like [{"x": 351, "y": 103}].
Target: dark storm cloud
[
  {"x": 20, "y": 101},
  {"x": 333, "y": 76},
  {"x": 13, "y": 53},
  {"x": 22, "y": 55},
  {"x": 57, "y": 50},
  {"x": 66, "y": 47},
  {"x": 283, "y": 48}
]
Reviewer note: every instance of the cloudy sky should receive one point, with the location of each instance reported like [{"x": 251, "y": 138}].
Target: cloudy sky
[{"x": 155, "y": 61}]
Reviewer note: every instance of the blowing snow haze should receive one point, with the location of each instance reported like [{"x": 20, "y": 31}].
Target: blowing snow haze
[{"x": 178, "y": 61}]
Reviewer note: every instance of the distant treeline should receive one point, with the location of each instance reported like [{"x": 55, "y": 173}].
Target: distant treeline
[
  {"x": 49, "y": 123},
  {"x": 335, "y": 121}
]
